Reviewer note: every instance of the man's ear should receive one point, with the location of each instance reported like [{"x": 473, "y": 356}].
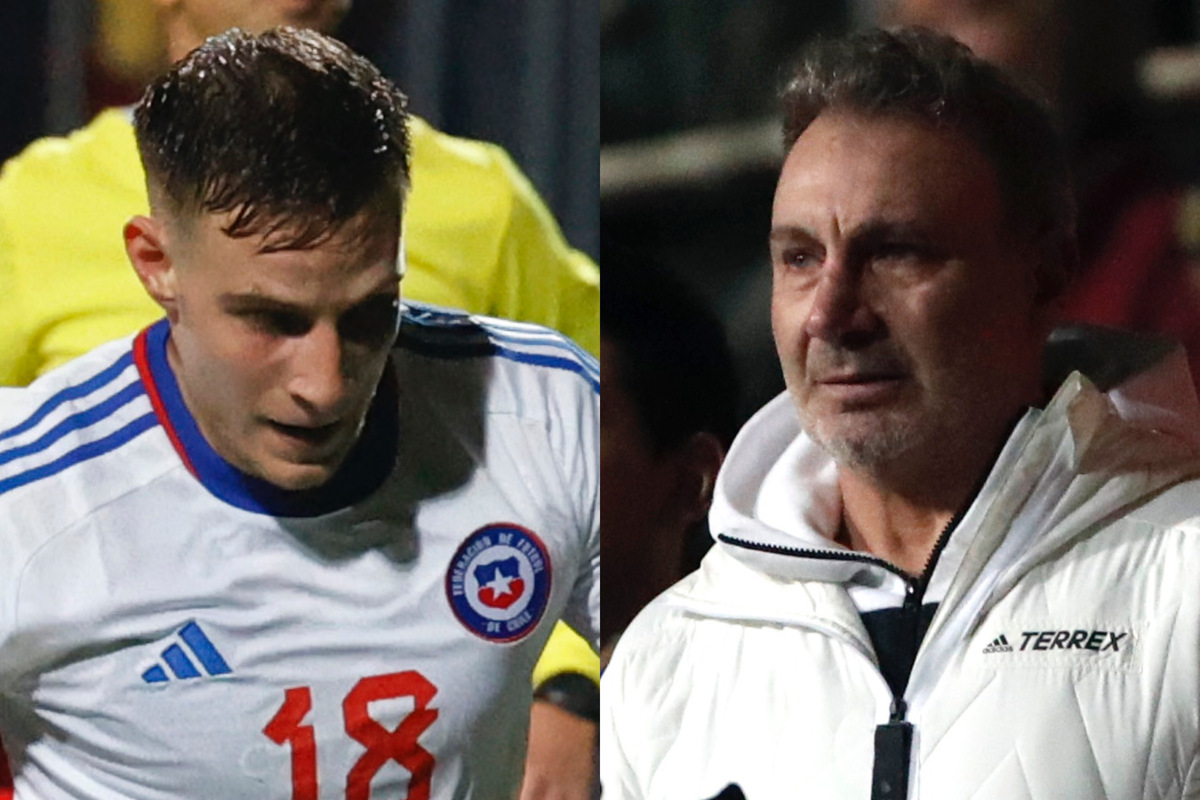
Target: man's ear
[
  {"x": 699, "y": 458},
  {"x": 146, "y": 246}
]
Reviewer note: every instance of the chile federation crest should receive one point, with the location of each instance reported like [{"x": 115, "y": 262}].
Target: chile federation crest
[{"x": 499, "y": 582}]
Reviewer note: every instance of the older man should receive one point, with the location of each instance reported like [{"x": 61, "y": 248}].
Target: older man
[{"x": 938, "y": 575}]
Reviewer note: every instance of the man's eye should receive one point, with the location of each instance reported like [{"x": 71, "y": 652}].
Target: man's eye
[
  {"x": 373, "y": 323},
  {"x": 279, "y": 323},
  {"x": 798, "y": 259},
  {"x": 900, "y": 251}
]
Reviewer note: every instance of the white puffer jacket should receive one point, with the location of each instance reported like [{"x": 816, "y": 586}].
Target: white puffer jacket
[{"x": 1063, "y": 661}]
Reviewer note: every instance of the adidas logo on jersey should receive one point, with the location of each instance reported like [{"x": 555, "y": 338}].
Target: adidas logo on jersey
[
  {"x": 207, "y": 659},
  {"x": 1095, "y": 641},
  {"x": 999, "y": 645}
]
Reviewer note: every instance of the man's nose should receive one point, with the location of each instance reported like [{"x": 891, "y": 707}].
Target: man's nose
[
  {"x": 838, "y": 304},
  {"x": 319, "y": 371}
]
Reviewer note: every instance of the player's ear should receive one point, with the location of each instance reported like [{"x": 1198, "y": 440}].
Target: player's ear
[{"x": 146, "y": 246}]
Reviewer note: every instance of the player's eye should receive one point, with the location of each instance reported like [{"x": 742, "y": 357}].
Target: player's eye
[
  {"x": 372, "y": 323},
  {"x": 278, "y": 323}
]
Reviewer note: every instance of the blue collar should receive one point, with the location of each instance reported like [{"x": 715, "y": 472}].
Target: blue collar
[{"x": 365, "y": 469}]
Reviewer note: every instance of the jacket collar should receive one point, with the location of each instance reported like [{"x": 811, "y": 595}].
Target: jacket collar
[{"x": 1085, "y": 455}]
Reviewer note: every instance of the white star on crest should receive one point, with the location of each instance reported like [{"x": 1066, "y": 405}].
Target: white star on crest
[{"x": 499, "y": 584}]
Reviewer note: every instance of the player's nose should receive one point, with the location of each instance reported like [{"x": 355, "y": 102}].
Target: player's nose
[{"x": 320, "y": 380}]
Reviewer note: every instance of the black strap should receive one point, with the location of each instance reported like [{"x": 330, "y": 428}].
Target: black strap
[
  {"x": 893, "y": 742},
  {"x": 731, "y": 792},
  {"x": 573, "y": 692}
]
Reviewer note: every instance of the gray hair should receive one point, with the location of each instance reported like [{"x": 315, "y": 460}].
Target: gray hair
[{"x": 931, "y": 77}]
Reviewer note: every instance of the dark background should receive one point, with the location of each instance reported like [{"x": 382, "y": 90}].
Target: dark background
[
  {"x": 524, "y": 73},
  {"x": 690, "y": 144}
]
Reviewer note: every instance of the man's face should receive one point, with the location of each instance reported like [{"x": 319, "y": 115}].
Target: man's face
[
  {"x": 210, "y": 17},
  {"x": 905, "y": 315},
  {"x": 279, "y": 352}
]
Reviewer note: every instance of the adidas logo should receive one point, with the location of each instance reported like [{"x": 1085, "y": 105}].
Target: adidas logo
[
  {"x": 999, "y": 645},
  {"x": 1095, "y": 641},
  {"x": 181, "y": 665}
]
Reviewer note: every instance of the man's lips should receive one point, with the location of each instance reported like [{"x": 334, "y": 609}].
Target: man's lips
[
  {"x": 309, "y": 434},
  {"x": 854, "y": 378},
  {"x": 859, "y": 390}
]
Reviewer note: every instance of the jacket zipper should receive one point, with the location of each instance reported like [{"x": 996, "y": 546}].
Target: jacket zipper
[
  {"x": 893, "y": 739},
  {"x": 805, "y": 552}
]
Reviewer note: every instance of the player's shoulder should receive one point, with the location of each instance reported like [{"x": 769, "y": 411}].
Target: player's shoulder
[
  {"x": 64, "y": 438},
  {"x": 520, "y": 349}
]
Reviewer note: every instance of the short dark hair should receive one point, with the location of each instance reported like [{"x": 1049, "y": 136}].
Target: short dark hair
[
  {"x": 672, "y": 354},
  {"x": 289, "y": 130},
  {"x": 918, "y": 72}
]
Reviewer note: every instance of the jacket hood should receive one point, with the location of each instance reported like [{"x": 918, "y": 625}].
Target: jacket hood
[{"x": 1101, "y": 444}]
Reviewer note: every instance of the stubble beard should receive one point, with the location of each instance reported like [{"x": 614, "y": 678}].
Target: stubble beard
[
  {"x": 860, "y": 452},
  {"x": 878, "y": 441}
]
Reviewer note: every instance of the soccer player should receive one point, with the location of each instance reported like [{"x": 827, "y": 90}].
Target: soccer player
[
  {"x": 477, "y": 237},
  {"x": 295, "y": 540}
]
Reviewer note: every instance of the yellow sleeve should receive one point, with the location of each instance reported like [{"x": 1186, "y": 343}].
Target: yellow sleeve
[
  {"x": 541, "y": 278},
  {"x": 479, "y": 238},
  {"x": 566, "y": 651},
  {"x": 17, "y": 366},
  {"x": 66, "y": 285}
]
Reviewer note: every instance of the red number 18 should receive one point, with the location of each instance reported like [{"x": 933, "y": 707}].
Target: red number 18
[{"x": 399, "y": 745}]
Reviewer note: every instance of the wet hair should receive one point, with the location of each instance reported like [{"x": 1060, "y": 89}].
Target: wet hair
[
  {"x": 931, "y": 77},
  {"x": 672, "y": 353},
  {"x": 288, "y": 131}
]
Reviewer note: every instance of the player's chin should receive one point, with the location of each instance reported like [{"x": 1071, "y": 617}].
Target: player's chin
[
  {"x": 294, "y": 476},
  {"x": 298, "y": 468}
]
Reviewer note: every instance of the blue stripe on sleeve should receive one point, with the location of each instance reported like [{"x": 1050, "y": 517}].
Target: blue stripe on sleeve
[
  {"x": 76, "y": 422},
  {"x": 554, "y": 362},
  {"x": 71, "y": 393},
  {"x": 82, "y": 453},
  {"x": 546, "y": 339}
]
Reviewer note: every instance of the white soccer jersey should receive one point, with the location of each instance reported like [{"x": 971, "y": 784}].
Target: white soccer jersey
[{"x": 172, "y": 628}]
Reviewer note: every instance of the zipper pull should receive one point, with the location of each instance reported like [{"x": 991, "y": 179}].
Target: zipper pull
[
  {"x": 893, "y": 749},
  {"x": 912, "y": 595}
]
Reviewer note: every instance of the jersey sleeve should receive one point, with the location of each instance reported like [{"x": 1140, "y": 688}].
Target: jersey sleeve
[
  {"x": 575, "y": 438},
  {"x": 566, "y": 651}
]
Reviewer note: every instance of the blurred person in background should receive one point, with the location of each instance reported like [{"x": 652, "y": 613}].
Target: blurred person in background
[
  {"x": 669, "y": 405},
  {"x": 1139, "y": 224},
  {"x": 477, "y": 236}
]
